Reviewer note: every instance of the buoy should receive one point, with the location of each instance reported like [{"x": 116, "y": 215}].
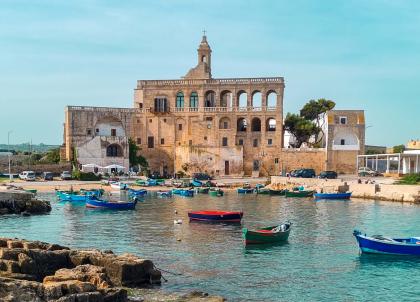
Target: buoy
[
  {"x": 176, "y": 212},
  {"x": 178, "y": 221}
]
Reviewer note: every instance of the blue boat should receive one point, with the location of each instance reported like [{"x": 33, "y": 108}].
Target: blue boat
[
  {"x": 183, "y": 192},
  {"x": 103, "y": 204},
  {"x": 196, "y": 183},
  {"x": 215, "y": 216},
  {"x": 83, "y": 196},
  {"x": 165, "y": 194},
  {"x": 137, "y": 193},
  {"x": 245, "y": 190},
  {"x": 332, "y": 195},
  {"x": 378, "y": 244}
]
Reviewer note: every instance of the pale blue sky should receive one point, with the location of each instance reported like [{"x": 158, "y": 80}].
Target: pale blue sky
[{"x": 361, "y": 54}]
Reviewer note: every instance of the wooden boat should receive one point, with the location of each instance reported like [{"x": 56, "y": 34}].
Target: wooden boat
[
  {"x": 138, "y": 193},
  {"x": 103, "y": 204},
  {"x": 33, "y": 191},
  {"x": 196, "y": 183},
  {"x": 301, "y": 193},
  {"x": 141, "y": 182},
  {"x": 262, "y": 191},
  {"x": 277, "y": 192},
  {"x": 259, "y": 186},
  {"x": 64, "y": 196},
  {"x": 216, "y": 192},
  {"x": 245, "y": 190},
  {"x": 215, "y": 216},
  {"x": 269, "y": 234},
  {"x": 346, "y": 195},
  {"x": 164, "y": 194},
  {"x": 203, "y": 190},
  {"x": 118, "y": 185},
  {"x": 378, "y": 244}
]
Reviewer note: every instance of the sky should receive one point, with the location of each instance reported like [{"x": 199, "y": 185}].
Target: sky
[{"x": 361, "y": 54}]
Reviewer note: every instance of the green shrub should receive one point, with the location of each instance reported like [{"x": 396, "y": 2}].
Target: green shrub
[
  {"x": 85, "y": 176},
  {"x": 410, "y": 179}
]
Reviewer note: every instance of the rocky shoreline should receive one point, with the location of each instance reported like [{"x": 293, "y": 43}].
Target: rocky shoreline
[
  {"x": 13, "y": 201},
  {"x": 34, "y": 271}
]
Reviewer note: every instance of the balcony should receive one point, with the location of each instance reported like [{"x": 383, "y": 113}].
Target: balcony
[{"x": 223, "y": 109}]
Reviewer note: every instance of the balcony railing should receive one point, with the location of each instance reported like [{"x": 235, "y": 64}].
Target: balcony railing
[
  {"x": 228, "y": 81},
  {"x": 222, "y": 109}
]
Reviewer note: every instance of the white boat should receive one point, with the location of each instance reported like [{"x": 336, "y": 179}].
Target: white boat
[{"x": 118, "y": 185}]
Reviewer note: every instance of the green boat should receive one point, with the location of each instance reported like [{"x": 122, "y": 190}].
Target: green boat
[
  {"x": 277, "y": 192},
  {"x": 263, "y": 191},
  {"x": 301, "y": 193},
  {"x": 33, "y": 191},
  {"x": 271, "y": 234},
  {"x": 203, "y": 190},
  {"x": 141, "y": 182},
  {"x": 216, "y": 193}
]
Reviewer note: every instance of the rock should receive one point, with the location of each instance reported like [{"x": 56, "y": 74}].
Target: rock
[{"x": 17, "y": 201}]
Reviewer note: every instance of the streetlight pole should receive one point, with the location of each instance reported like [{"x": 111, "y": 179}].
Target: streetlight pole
[{"x": 8, "y": 150}]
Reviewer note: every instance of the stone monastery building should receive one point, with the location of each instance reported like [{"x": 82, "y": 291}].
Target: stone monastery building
[{"x": 219, "y": 126}]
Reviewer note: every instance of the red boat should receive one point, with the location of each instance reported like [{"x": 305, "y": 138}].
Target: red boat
[{"x": 215, "y": 216}]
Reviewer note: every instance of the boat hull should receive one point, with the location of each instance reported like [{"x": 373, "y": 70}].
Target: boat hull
[
  {"x": 299, "y": 193},
  {"x": 278, "y": 192},
  {"x": 264, "y": 236},
  {"x": 137, "y": 193},
  {"x": 100, "y": 204},
  {"x": 216, "y": 193},
  {"x": 332, "y": 195},
  {"x": 215, "y": 216},
  {"x": 245, "y": 191},
  {"x": 371, "y": 245}
]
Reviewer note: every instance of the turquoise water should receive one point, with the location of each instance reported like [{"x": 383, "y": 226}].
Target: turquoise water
[{"x": 321, "y": 261}]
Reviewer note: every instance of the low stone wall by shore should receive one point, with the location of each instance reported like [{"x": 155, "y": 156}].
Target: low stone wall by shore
[
  {"x": 405, "y": 193},
  {"x": 19, "y": 201}
]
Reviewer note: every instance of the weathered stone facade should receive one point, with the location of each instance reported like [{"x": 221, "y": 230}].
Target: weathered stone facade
[{"x": 219, "y": 126}]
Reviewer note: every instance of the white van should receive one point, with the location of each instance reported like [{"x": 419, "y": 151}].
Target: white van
[{"x": 27, "y": 175}]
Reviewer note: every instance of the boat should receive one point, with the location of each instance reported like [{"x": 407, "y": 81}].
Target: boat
[
  {"x": 196, "y": 183},
  {"x": 141, "y": 182},
  {"x": 164, "y": 193},
  {"x": 113, "y": 205},
  {"x": 118, "y": 185},
  {"x": 300, "y": 193},
  {"x": 346, "y": 195},
  {"x": 245, "y": 190},
  {"x": 216, "y": 192},
  {"x": 137, "y": 193},
  {"x": 215, "y": 216},
  {"x": 271, "y": 234},
  {"x": 277, "y": 192},
  {"x": 262, "y": 191},
  {"x": 259, "y": 186},
  {"x": 183, "y": 192},
  {"x": 33, "y": 191},
  {"x": 64, "y": 196},
  {"x": 378, "y": 244},
  {"x": 203, "y": 190}
]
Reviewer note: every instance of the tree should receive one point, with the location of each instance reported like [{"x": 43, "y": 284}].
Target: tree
[
  {"x": 52, "y": 156},
  {"x": 315, "y": 111},
  {"x": 398, "y": 149},
  {"x": 301, "y": 128},
  {"x": 133, "y": 158}
]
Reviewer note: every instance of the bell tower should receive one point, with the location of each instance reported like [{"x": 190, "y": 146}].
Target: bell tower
[{"x": 203, "y": 68}]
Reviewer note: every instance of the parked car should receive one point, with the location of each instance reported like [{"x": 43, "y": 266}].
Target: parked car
[
  {"x": 306, "y": 173},
  {"x": 293, "y": 173},
  {"x": 201, "y": 176},
  {"x": 47, "y": 176},
  {"x": 27, "y": 175},
  {"x": 366, "y": 171},
  {"x": 66, "y": 175},
  {"x": 328, "y": 174}
]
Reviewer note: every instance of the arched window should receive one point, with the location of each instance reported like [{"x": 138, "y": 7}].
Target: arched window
[
  {"x": 194, "y": 100},
  {"x": 271, "y": 124},
  {"x": 224, "y": 123},
  {"x": 179, "y": 100},
  {"x": 210, "y": 99},
  {"x": 241, "y": 125},
  {"x": 226, "y": 99},
  {"x": 256, "y": 99},
  {"x": 271, "y": 99},
  {"x": 242, "y": 99},
  {"x": 256, "y": 124},
  {"x": 114, "y": 150},
  {"x": 204, "y": 59}
]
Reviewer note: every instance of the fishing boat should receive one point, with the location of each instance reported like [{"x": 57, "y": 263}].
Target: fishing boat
[
  {"x": 164, "y": 194},
  {"x": 271, "y": 234},
  {"x": 203, "y": 190},
  {"x": 196, "y": 183},
  {"x": 245, "y": 190},
  {"x": 300, "y": 193},
  {"x": 215, "y": 216},
  {"x": 346, "y": 195},
  {"x": 259, "y": 186},
  {"x": 118, "y": 185},
  {"x": 216, "y": 192},
  {"x": 378, "y": 244},
  {"x": 262, "y": 191},
  {"x": 277, "y": 192},
  {"x": 183, "y": 192},
  {"x": 64, "y": 196},
  {"x": 141, "y": 182},
  {"x": 33, "y": 191},
  {"x": 113, "y": 205},
  {"x": 138, "y": 193}
]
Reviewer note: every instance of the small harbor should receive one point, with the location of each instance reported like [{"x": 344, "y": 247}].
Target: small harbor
[{"x": 320, "y": 261}]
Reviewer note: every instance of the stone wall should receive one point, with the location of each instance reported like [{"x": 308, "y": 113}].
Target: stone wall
[
  {"x": 292, "y": 159},
  {"x": 343, "y": 162}
]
